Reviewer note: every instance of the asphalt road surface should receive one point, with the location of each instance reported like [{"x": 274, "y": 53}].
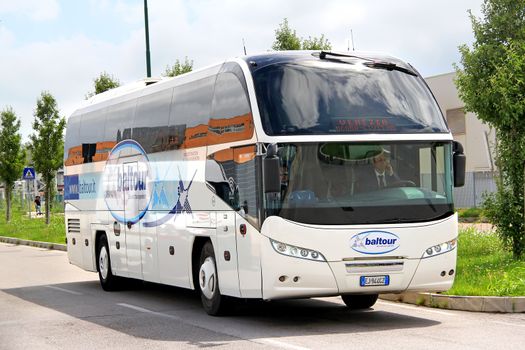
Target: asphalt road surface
[{"x": 45, "y": 303}]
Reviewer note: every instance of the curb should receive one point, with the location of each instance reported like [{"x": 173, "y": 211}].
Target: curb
[
  {"x": 459, "y": 302},
  {"x": 45, "y": 245}
]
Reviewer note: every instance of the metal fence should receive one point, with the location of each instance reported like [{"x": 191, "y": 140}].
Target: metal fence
[{"x": 476, "y": 185}]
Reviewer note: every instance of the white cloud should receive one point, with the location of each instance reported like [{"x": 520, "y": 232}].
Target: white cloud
[
  {"x": 37, "y": 10},
  {"x": 6, "y": 37},
  {"x": 131, "y": 13}
]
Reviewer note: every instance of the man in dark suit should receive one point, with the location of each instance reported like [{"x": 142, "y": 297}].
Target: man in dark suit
[{"x": 380, "y": 175}]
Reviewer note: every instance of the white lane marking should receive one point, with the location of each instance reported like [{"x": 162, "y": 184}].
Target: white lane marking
[
  {"x": 263, "y": 341},
  {"x": 141, "y": 309},
  {"x": 417, "y": 308},
  {"x": 64, "y": 290},
  {"x": 279, "y": 344},
  {"x": 509, "y": 323},
  {"x": 137, "y": 308}
]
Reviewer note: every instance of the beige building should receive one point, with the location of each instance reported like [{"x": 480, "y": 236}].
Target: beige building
[{"x": 476, "y": 137}]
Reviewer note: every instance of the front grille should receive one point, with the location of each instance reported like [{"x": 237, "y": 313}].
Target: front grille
[{"x": 377, "y": 266}]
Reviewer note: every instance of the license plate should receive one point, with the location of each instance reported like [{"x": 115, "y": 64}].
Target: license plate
[{"x": 368, "y": 281}]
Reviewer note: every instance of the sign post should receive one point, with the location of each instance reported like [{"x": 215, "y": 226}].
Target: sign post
[{"x": 28, "y": 175}]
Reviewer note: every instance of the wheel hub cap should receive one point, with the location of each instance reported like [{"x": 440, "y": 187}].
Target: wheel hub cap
[
  {"x": 207, "y": 279},
  {"x": 103, "y": 263}
]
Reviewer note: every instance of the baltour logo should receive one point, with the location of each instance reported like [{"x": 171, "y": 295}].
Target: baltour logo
[
  {"x": 129, "y": 189},
  {"x": 375, "y": 242},
  {"x": 126, "y": 182}
]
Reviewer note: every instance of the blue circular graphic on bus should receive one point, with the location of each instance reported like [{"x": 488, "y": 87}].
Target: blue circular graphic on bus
[{"x": 126, "y": 182}]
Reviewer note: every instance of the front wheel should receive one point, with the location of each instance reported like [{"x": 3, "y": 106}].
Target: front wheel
[
  {"x": 359, "y": 301},
  {"x": 212, "y": 301},
  {"x": 108, "y": 280}
]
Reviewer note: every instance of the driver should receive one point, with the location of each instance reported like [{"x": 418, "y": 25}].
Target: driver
[{"x": 379, "y": 176}]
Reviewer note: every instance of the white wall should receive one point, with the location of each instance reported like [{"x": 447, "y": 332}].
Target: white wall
[{"x": 474, "y": 140}]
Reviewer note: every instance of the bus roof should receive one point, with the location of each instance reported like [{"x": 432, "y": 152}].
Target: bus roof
[{"x": 261, "y": 60}]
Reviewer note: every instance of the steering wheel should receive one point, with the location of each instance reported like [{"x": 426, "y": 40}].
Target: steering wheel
[{"x": 402, "y": 183}]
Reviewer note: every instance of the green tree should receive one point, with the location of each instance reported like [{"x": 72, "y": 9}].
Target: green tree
[
  {"x": 12, "y": 155},
  {"x": 286, "y": 38},
  {"x": 179, "y": 68},
  {"x": 491, "y": 82},
  {"x": 47, "y": 143},
  {"x": 103, "y": 82},
  {"x": 316, "y": 43}
]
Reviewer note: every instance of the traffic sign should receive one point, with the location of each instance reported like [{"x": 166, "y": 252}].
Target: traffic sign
[{"x": 29, "y": 173}]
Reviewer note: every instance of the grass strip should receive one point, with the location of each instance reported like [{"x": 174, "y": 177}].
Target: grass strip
[
  {"x": 485, "y": 268},
  {"x": 35, "y": 229}
]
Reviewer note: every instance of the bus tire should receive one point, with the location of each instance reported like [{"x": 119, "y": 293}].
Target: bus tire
[
  {"x": 108, "y": 281},
  {"x": 212, "y": 301},
  {"x": 359, "y": 301}
]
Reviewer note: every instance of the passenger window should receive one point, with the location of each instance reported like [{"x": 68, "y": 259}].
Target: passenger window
[
  {"x": 231, "y": 118},
  {"x": 150, "y": 127},
  {"x": 121, "y": 122},
  {"x": 91, "y": 125},
  {"x": 73, "y": 153},
  {"x": 232, "y": 174},
  {"x": 190, "y": 111}
]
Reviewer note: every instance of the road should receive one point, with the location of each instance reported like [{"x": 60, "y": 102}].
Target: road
[{"x": 45, "y": 303}]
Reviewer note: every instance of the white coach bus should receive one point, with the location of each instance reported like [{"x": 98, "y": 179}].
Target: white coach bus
[{"x": 281, "y": 175}]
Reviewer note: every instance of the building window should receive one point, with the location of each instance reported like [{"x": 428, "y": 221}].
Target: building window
[{"x": 456, "y": 121}]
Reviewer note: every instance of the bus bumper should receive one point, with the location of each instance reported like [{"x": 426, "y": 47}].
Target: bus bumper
[{"x": 291, "y": 277}]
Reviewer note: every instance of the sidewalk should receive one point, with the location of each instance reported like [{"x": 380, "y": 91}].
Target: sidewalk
[
  {"x": 459, "y": 302},
  {"x": 45, "y": 245},
  {"x": 480, "y": 226}
]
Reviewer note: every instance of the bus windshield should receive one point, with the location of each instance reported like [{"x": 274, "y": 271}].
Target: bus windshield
[
  {"x": 365, "y": 183},
  {"x": 326, "y": 97}
]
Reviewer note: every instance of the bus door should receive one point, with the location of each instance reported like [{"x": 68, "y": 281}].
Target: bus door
[
  {"x": 249, "y": 258},
  {"x": 227, "y": 253},
  {"x": 117, "y": 241},
  {"x": 132, "y": 224}
]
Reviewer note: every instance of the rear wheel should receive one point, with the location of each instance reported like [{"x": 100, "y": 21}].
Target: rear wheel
[
  {"x": 212, "y": 301},
  {"x": 358, "y": 302},
  {"x": 108, "y": 281}
]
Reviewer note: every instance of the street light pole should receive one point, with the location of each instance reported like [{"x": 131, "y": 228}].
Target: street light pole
[{"x": 148, "y": 61}]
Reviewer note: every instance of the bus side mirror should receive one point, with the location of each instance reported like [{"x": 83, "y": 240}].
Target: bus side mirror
[
  {"x": 271, "y": 175},
  {"x": 458, "y": 162}
]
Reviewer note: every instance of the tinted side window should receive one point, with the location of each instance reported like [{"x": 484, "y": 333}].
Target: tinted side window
[
  {"x": 119, "y": 122},
  {"x": 91, "y": 127},
  {"x": 72, "y": 146},
  {"x": 150, "y": 127},
  {"x": 232, "y": 174},
  {"x": 231, "y": 118},
  {"x": 190, "y": 111}
]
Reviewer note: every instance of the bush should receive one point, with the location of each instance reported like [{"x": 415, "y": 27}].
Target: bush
[
  {"x": 470, "y": 213},
  {"x": 505, "y": 213}
]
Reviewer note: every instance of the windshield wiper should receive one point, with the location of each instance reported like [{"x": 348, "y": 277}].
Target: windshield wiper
[
  {"x": 323, "y": 54},
  {"x": 390, "y": 66},
  {"x": 394, "y": 220},
  {"x": 371, "y": 63},
  {"x": 431, "y": 205}
]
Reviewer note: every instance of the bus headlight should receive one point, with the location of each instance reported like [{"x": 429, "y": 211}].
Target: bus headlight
[
  {"x": 296, "y": 252},
  {"x": 440, "y": 248}
]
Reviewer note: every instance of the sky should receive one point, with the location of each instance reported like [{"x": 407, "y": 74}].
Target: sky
[{"x": 61, "y": 46}]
